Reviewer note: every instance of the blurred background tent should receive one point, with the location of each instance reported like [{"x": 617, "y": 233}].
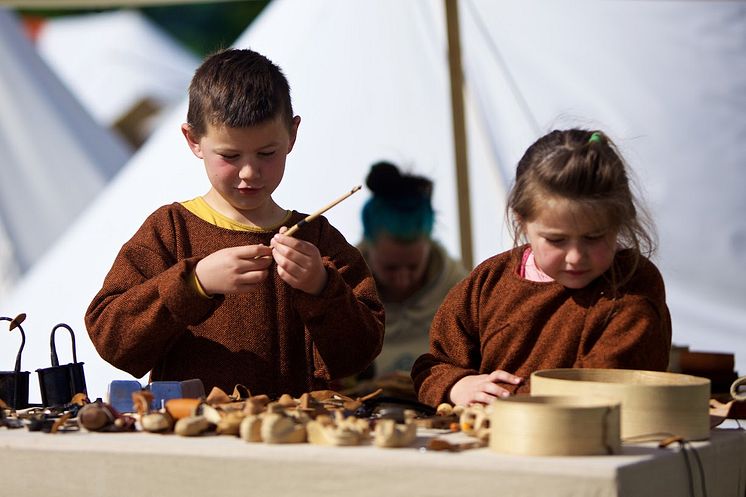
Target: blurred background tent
[
  {"x": 100, "y": 88},
  {"x": 131, "y": 73},
  {"x": 370, "y": 79},
  {"x": 54, "y": 158}
]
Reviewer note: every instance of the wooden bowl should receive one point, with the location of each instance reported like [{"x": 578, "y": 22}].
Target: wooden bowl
[
  {"x": 653, "y": 404},
  {"x": 554, "y": 426}
]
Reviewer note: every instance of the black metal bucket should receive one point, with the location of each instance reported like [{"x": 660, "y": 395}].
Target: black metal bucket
[
  {"x": 14, "y": 384},
  {"x": 58, "y": 384}
]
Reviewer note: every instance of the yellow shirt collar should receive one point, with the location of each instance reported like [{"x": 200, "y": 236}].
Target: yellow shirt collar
[{"x": 200, "y": 208}]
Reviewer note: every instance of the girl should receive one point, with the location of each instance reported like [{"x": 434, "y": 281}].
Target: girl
[{"x": 579, "y": 294}]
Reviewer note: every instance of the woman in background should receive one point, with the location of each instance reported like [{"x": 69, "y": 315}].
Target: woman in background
[{"x": 413, "y": 272}]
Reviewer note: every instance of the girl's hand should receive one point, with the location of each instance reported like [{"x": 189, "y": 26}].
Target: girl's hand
[
  {"x": 234, "y": 269},
  {"x": 482, "y": 388},
  {"x": 298, "y": 263}
]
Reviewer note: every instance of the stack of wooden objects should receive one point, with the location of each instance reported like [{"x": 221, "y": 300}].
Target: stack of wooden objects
[{"x": 718, "y": 367}]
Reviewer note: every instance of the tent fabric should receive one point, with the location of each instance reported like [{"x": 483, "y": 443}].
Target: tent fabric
[
  {"x": 370, "y": 82},
  {"x": 53, "y": 157},
  {"x": 9, "y": 269},
  {"x": 131, "y": 60}
]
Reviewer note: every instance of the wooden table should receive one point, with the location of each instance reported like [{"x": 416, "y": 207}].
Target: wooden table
[{"x": 140, "y": 464}]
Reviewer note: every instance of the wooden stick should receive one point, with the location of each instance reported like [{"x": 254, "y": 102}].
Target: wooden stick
[{"x": 319, "y": 212}]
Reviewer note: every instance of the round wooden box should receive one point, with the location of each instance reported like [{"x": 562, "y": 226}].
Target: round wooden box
[
  {"x": 653, "y": 404},
  {"x": 554, "y": 426}
]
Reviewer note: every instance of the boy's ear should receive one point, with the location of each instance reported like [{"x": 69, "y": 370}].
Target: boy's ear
[
  {"x": 194, "y": 145},
  {"x": 293, "y": 132}
]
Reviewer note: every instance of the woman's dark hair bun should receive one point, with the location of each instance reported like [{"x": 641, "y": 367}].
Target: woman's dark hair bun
[{"x": 385, "y": 180}]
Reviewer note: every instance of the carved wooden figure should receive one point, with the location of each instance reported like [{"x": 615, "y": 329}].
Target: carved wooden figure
[{"x": 389, "y": 433}]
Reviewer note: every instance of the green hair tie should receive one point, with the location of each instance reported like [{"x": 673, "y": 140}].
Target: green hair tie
[{"x": 595, "y": 137}]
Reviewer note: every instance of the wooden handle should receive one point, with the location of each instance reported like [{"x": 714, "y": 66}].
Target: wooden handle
[{"x": 319, "y": 212}]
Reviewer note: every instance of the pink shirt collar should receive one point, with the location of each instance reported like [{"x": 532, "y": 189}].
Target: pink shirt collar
[{"x": 529, "y": 270}]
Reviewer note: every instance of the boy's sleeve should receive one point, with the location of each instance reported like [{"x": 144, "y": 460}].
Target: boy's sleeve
[
  {"x": 345, "y": 321},
  {"x": 632, "y": 331},
  {"x": 454, "y": 345},
  {"x": 146, "y": 301}
]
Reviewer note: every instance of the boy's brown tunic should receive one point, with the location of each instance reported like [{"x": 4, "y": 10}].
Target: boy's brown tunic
[
  {"x": 495, "y": 319},
  {"x": 275, "y": 340}
]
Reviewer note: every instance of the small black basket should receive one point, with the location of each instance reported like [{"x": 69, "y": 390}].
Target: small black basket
[
  {"x": 58, "y": 384},
  {"x": 14, "y": 384}
]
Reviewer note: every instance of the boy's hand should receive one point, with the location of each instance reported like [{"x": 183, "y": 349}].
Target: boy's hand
[
  {"x": 234, "y": 269},
  {"x": 298, "y": 263},
  {"x": 482, "y": 388}
]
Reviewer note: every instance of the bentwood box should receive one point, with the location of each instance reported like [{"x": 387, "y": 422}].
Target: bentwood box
[
  {"x": 555, "y": 426},
  {"x": 654, "y": 404}
]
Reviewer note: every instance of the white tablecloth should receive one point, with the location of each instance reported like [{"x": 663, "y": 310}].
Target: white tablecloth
[{"x": 140, "y": 464}]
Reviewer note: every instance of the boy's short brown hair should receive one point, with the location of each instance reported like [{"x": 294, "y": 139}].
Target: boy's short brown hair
[{"x": 237, "y": 88}]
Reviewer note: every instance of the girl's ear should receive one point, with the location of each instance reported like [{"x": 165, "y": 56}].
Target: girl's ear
[
  {"x": 194, "y": 145},
  {"x": 519, "y": 221}
]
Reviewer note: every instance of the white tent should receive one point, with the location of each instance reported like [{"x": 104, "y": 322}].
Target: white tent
[
  {"x": 54, "y": 158},
  {"x": 122, "y": 59},
  {"x": 370, "y": 82}
]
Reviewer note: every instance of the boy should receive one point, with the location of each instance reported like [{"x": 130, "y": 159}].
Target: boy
[{"x": 210, "y": 289}]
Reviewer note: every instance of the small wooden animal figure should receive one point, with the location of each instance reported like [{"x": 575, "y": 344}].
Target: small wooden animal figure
[
  {"x": 279, "y": 427},
  {"x": 337, "y": 431},
  {"x": 475, "y": 421},
  {"x": 389, "y": 433}
]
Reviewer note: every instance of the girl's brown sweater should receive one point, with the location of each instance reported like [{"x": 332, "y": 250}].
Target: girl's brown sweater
[
  {"x": 494, "y": 319},
  {"x": 147, "y": 316}
]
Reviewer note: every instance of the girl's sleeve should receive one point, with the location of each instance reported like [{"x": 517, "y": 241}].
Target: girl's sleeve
[
  {"x": 454, "y": 345},
  {"x": 631, "y": 332},
  {"x": 346, "y": 321},
  {"x": 146, "y": 302}
]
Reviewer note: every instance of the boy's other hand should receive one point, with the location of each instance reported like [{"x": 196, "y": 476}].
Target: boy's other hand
[
  {"x": 298, "y": 263},
  {"x": 234, "y": 269},
  {"x": 482, "y": 388}
]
